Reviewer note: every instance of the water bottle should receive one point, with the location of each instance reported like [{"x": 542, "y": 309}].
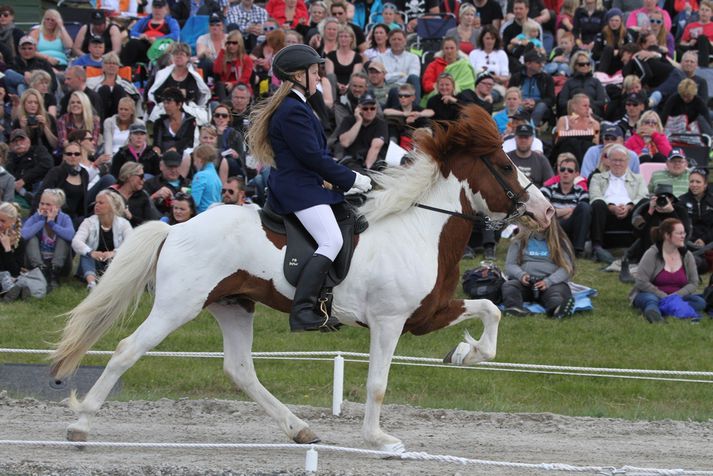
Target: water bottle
[{"x": 645, "y": 151}]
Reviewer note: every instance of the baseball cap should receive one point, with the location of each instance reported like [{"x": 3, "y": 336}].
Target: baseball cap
[
  {"x": 137, "y": 128},
  {"x": 482, "y": 76},
  {"x": 215, "y": 19},
  {"x": 534, "y": 55},
  {"x": 158, "y": 3},
  {"x": 27, "y": 39},
  {"x": 611, "y": 130},
  {"x": 367, "y": 99},
  {"x": 636, "y": 98},
  {"x": 171, "y": 159},
  {"x": 525, "y": 130},
  {"x": 96, "y": 39},
  {"x": 18, "y": 133},
  {"x": 97, "y": 17},
  {"x": 676, "y": 152},
  {"x": 377, "y": 65}
]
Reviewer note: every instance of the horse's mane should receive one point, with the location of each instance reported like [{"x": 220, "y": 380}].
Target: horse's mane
[{"x": 401, "y": 187}]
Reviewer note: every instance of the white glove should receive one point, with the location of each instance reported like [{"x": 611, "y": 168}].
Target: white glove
[{"x": 362, "y": 183}]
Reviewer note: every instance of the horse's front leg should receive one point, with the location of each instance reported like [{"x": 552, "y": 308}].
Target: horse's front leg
[
  {"x": 472, "y": 351},
  {"x": 384, "y": 337}
]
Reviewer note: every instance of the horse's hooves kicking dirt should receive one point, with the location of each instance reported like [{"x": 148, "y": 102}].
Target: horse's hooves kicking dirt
[
  {"x": 78, "y": 436},
  {"x": 306, "y": 437}
]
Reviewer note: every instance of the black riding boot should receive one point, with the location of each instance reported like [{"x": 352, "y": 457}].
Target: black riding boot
[{"x": 305, "y": 316}]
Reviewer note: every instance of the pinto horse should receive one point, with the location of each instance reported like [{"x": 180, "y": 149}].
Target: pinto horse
[{"x": 403, "y": 274}]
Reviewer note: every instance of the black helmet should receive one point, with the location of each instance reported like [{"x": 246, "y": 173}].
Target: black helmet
[{"x": 293, "y": 58}]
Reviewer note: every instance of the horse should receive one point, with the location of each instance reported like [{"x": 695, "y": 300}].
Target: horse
[{"x": 403, "y": 274}]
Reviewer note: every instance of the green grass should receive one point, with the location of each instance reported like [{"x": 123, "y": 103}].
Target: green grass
[{"x": 614, "y": 335}]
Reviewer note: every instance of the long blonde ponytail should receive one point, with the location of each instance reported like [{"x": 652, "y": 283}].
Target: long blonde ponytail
[{"x": 257, "y": 137}]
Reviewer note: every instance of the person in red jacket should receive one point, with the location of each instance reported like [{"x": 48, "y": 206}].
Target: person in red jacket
[
  {"x": 288, "y": 13},
  {"x": 232, "y": 66}
]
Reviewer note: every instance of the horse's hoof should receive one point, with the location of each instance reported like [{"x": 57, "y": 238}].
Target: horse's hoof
[
  {"x": 306, "y": 437},
  {"x": 393, "y": 448},
  {"x": 458, "y": 354},
  {"x": 78, "y": 436}
]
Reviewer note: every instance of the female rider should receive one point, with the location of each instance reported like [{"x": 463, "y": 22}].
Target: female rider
[{"x": 299, "y": 169}]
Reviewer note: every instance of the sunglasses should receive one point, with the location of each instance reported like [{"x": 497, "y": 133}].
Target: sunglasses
[
  {"x": 73, "y": 154},
  {"x": 656, "y": 21},
  {"x": 650, "y": 122},
  {"x": 369, "y": 108},
  {"x": 228, "y": 191},
  {"x": 566, "y": 169},
  {"x": 221, "y": 114},
  {"x": 405, "y": 95},
  {"x": 582, "y": 65},
  {"x": 269, "y": 28},
  {"x": 5, "y": 14},
  {"x": 231, "y": 42},
  {"x": 608, "y": 137}
]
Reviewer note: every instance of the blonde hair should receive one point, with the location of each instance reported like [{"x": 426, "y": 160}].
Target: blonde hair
[
  {"x": 465, "y": 8},
  {"x": 116, "y": 201},
  {"x": 128, "y": 170},
  {"x": 12, "y": 210},
  {"x": 39, "y": 75},
  {"x": 40, "y": 109},
  {"x": 687, "y": 87},
  {"x": 127, "y": 101},
  {"x": 112, "y": 58},
  {"x": 234, "y": 35},
  {"x": 57, "y": 194},
  {"x": 51, "y": 12},
  {"x": 515, "y": 90},
  {"x": 347, "y": 29},
  {"x": 574, "y": 100},
  {"x": 206, "y": 153},
  {"x": 575, "y": 59},
  {"x": 647, "y": 115},
  {"x": 87, "y": 110},
  {"x": 179, "y": 47},
  {"x": 257, "y": 136},
  {"x": 630, "y": 81}
]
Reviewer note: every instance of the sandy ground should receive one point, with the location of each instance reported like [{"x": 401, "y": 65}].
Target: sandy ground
[{"x": 522, "y": 438}]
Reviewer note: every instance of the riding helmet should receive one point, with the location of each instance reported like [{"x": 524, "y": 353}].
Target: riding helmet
[{"x": 293, "y": 58}]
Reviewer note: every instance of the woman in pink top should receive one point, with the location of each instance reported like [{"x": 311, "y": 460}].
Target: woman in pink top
[
  {"x": 666, "y": 268},
  {"x": 639, "y": 18}
]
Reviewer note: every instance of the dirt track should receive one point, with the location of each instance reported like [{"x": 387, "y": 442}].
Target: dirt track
[{"x": 524, "y": 438}]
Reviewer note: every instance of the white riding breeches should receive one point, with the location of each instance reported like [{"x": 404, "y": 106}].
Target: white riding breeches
[{"x": 320, "y": 223}]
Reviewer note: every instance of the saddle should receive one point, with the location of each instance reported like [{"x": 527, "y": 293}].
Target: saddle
[{"x": 301, "y": 246}]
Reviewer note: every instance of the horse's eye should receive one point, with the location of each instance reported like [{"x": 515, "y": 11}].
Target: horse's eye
[{"x": 507, "y": 168}]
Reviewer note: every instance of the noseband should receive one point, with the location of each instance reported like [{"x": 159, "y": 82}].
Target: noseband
[{"x": 517, "y": 208}]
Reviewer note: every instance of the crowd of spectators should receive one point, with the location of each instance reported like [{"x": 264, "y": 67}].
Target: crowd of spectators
[{"x": 118, "y": 121}]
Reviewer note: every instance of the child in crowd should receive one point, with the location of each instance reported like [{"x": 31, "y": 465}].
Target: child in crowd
[
  {"x": 561, "y": 55},
  {"x": 530, "y": 37}
]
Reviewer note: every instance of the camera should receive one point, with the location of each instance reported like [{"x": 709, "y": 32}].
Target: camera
[
  {"x": 31, "y": 120},
  {"x": 661, "y": 201},
  {"x": 535, "y": 292}
]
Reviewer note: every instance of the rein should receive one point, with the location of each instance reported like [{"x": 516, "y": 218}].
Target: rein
[{"x": 517, "y": 208}]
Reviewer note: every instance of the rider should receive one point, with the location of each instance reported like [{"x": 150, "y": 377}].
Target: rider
[{"x": 287, "y": 136}]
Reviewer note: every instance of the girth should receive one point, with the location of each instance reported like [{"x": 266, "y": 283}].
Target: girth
[{"x": 301, "y": 246}]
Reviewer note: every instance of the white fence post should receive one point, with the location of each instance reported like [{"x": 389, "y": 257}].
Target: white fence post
[
  {"x": 311, "y": 460},
  {"x": 338, "y": 385}
]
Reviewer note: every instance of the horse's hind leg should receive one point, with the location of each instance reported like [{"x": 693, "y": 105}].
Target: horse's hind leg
[
  {"x": 157, "y": 326},
  {"x": 237, "y": 326}
]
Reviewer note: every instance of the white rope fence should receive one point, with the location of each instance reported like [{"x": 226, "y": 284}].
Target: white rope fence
[
  {"x": 312, "y": 458},
  {"x": 338, "y": 357}
]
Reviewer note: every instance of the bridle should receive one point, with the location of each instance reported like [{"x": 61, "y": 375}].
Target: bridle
[{"x": 517, "y": 207}]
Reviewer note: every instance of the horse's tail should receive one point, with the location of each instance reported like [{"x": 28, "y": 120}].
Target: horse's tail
[{"x": 119, "y": 290}]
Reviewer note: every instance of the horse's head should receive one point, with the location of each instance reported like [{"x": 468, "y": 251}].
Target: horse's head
[{"x": 471, "y": 149}]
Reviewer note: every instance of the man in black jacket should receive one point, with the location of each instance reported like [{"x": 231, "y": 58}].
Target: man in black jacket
[
  {"x": 27, "y": 61},
  {"x": 163, "y": 187},
  {"x": 538, "y": 87},
  {"x": 27, "y": 163}
]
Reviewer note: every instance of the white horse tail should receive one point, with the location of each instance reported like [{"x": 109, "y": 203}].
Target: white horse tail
[{"x": 120, "y": 289}]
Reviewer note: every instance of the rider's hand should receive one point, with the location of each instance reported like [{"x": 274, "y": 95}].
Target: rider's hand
[{"x": 362, "y": 183}]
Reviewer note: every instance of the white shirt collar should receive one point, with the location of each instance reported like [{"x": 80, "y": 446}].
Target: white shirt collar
[{"x": 299, "y": 93}]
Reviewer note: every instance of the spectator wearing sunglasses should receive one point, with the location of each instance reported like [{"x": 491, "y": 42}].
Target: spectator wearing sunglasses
[
  {"x": 10, "y": 36},
  {"x": 233, "y": 65},
  {"x": 649, "y": 141},
  {"x": 582, "y": 81},
  {"x": 363, "y": 136},
  {"x": 130, "y": 186},
  {"x": 570, "y": 200},
  {"x": 231, "y": 145},
  {"x": 234, "y": 191},
  {"x": 72, "y": 179},
  {"x": 609, "y": 134},
  {"x": 407, "y": 116}
]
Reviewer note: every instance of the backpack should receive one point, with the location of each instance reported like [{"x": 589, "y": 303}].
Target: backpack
[{"x": 484, "y": 282}]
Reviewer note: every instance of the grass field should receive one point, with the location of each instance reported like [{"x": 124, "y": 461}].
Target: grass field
[{"x": 613, "y": 335}]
